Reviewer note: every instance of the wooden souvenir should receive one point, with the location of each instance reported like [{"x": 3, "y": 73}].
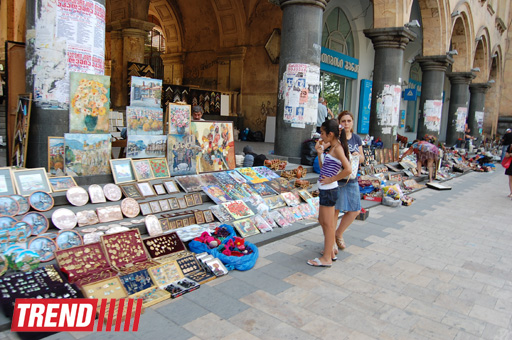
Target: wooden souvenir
[
  {"x": 151, "y": 296},
  {"x": 190, "y": 200},
  {"x": 186, "y": 222},
  {"x": 191, "y": 220},
  {"x": 164, "y": 223},
  {"x": 41, "y": 201},
  {"x": 179, "y": 223},
  {"x": 396, "y": 152},
  {"x": 197, "y": 199},
  {"x": 172, "y": 224},
  {"x": 38, "y": 221}
]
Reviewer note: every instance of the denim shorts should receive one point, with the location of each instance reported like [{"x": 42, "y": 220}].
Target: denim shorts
[{"x": 328, "y": 197}]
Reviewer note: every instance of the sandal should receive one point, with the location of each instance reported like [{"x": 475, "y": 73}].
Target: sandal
[
  {"x": 340, "y": 243},
  {"x": 317, "y": 263}
]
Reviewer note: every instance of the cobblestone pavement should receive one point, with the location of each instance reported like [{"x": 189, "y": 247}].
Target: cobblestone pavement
[{"x": 439, "y": 269}]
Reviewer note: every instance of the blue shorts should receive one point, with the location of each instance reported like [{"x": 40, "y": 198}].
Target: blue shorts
[
  {"x": 328, "y": 197},
  {"x": 349, "y": 198}
]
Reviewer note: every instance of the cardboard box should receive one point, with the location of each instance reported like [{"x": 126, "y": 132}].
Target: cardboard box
[{"x": 371, "y": 198}]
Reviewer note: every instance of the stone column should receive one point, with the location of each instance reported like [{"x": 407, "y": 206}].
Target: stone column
[
  {"x": 230, "y": 73},
  {"x": 389, "y": 44},
  {"x": 432, "y": 85},
  {"x": 300, "y": 43},
  {"x": 476, "y": 104},
  {"x": 173, "y": 68},
  {"x": 459, "y": 98},
  {"x": 128, "y": 36}
]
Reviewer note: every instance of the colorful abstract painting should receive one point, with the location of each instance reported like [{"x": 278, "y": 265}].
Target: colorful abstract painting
[
  {"x": 182, "y": 153},
  {"x": 146, "y": 146},
  {"x": 87, "y": 154},
  {"x": 146, "y": 92},
  {"x": 144, "y": 121},
  {"x": 217, "y": 145},
  {"x": 179, "y": 119},
  {"x": 89, "y": 103}
]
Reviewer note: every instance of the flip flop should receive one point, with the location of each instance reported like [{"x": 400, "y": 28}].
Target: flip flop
[{"x": 316, "y": 263}]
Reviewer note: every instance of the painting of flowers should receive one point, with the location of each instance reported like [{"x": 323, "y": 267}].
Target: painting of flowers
[
  {"x": 238, "y": 209},
  {"x": 89, "y": 103},
  {"x": 159, "y": 167},
  {"x": 217, "y": 145},
  {"x": 179, "y": 119},
  {"x": 144, "y": 121}
]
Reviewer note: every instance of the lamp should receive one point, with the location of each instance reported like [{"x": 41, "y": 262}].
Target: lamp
[
  {"x": 413, "y": 23},
  {"x": 492, "y": 81},
  {"x": 476, "y": 69},
  {"x": 495, "y": 55},
  {"x": 480, "y": 38},
  {"x": 455, "y": 13},
  {"x": 452, "y": 52}
]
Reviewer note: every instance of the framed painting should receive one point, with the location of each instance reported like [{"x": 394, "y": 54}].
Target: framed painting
[
  {"x": 21, "y": 128},
  {"x": 182, "y": 153},
  {"x": 159, "y": 167},
  {"x": 159, "y": 189},
  {"x": 62, "y": 183},
  {"x": 30, "y": 180},
  {"x": 89, "y": 103},
  {"x": 238, "y": 209},
  {"x": 179, "y": 119},
  {"x": 7, "y": 186},
  {"x": 144, "y": 121},
  {"x": 217, "y": 147},
  {"x": 122, "y": 170},
  {"x": 246, "y": 227},
  {"x": 146, "y": 189},
  {"x": 251, "y": 175},
  {"x": 142, "y": 169},
  {"x": 56, "y": 155},
  {"x": 87, "y": 154},
  {"x": 131, "y": 190},
  {"x": 216, "y": 193},
  {"x": 189, "y": 183},
  {"x": 171, "y": 187},
  {"x": 146, "y": 146},
  {"x": 146, "y": 92}
]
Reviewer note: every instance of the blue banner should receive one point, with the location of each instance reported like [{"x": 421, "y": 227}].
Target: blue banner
[
  {"x": 365, "y": 102},
  {"x": 410, "y": 94},
  {"x": 340, "y": 64}
]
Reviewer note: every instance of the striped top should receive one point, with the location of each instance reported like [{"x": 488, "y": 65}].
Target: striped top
[{"x": 330, "y": 167}]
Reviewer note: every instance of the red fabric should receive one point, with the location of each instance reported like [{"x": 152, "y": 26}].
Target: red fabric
[{"x": 506, "y": 162}]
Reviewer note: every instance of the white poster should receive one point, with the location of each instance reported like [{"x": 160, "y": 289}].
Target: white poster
[
  {"x": 462, "y": 114},
  {"x": 432, "y": 111},
  {"x": 479, "y": 117},
  {"x": 388, "y": 105},
  {"x": 300, "y": 88}
]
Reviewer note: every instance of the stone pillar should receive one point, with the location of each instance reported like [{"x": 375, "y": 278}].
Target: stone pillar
[
  {"x": 459, "y": 98},
  {"x": 476, "y": 104},
  {"x": 389, "y": 44},
  {"x": 432, "y": 85},
  {"x": 128, "y": 37},
  {"x": 230, "y": 73},
  {"x": 300, "y": 43},
  {"x": 173, "y": 68}
]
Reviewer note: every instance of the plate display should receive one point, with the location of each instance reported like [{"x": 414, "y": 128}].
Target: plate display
[
  {"x": 130, "y": 207},
  {"x": 22, "y": 203},
  {"x": 64, "y": 219},
  {"x": 44, "y": 247},
  {"x": 87, "y": 217},
  {"x": 68, "y": 239},
  {"x": 27, "y": 260},
  {"x": 77, "y": 196},
  {"x": 6, "y": 222},
  {"x": 112, "y": 192},
  {"x": 8, "y": 206},
  {"x": 38, "y": 222},
  {"x": 23, "y": 229},
  {"x": 41, "y": 201},
  {"x": 96, "y": 194}
]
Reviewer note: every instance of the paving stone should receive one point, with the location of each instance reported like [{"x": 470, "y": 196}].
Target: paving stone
[
  {"x": 210, "y": 326},
  {"x": 181, "y": 310},
  {"x": 236, "y": 288},
  {"x": 213, "y": 300},
  {"x": 464, "y": 323},
  {"x": 254, "y": 321},
  {"x": 492, "y": 316}
]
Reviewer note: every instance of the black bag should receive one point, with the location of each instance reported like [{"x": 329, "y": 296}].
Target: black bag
[
  {"x": 308, "y": 152},
  {"x": 257, "y": 136}
]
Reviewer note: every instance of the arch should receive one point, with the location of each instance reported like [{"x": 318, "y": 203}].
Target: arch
[
  {"x": 391, "y": 13},
  {"x": 338, "y": 32},
  {"x": 462, "y": 42},
  {"x": 435, "y": 25},
  {"x": 231, "y": 21},
  {"x": 170, "y": 23}
]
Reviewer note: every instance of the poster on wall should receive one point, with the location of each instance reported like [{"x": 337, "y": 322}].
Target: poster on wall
[
  {"x": 388, "y": 105},
  {"x": 479, "y": 118},
  {"x": 365, "y": 103},
  {"x": 462, "y": 113},
  {"x": 432, "y": 111}
]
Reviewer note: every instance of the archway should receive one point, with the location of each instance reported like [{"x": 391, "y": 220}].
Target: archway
[{"x": 461, "y": 42}]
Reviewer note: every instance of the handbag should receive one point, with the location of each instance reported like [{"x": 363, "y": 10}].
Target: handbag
[
  {"x": 354, "y": 163},
  {"x": 506, "y": 162}
]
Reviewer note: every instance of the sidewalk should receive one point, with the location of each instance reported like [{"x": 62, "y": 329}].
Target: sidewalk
[{"x": 439, "y": 269}]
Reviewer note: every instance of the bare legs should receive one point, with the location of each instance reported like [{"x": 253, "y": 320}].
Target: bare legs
[
  {"x": 510, "y": 185},
  {"x": 430, "y": 163},
  {"x": 419, "y": 166},
  {"x": 346, "y": 221},
  {"x": 326, "y": 221}
]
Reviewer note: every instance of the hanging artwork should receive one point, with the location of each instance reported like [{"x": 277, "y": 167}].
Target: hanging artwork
[
  {"x": 144, "y": 121},
  {"x": 182, "y": 153},
  {"x": 217, "y": 145},
  {"x": 87, "y": 154},
  {"x": 89, "y": 103},
  {"x": 146, "y": 92},
  {"x": 56, "y": 156},
  {"x": 146, "y": 146},
  {"x": 21, "y": 127},
  {"x": 179, "y": 119}
]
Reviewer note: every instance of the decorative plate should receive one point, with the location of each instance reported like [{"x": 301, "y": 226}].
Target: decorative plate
[
  {"x": 41, "y": 201},
  {"x": 112, "y": 192},
  {"x": 64, "y": 219},
  {"x": 130, "y": 207},
  {"x": 23, "y": 228},
  {"x": 4, "y": 265},
  {"x": 27, "y": 260},
  {"x": 68, "y": 239},
  {"x": 93, "y": 237},
  {"x": 8, "y": 206},
  {"x": 38, "y": 222},
  {"x": 22, "y": 203},
  {"x": 77, "y": 196},
  {"x": 6, "y": 222},
  {"x": 43, "y": 246},
  {"x": 96, "y": 194}
]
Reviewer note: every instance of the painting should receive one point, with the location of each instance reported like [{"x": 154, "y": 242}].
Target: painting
[
  {"x": 190, "y": 183},
  {"x": 62, "y": 183},
  {"x": 182, "y": 154},
  {"x": 89, "y": 98},
  {"x": 179, "y": 119},
  {"x": 6, "y": 182},
  {"x": 221, "y": 213},
  {"x": 251, "y": 175},
  {"x": 159, "y": 167},
  {"x": 216, "y": 193},
  {"x": 30, "y": 180},
  {"x": 238, "y": 209},
  {"x": 144, "y": 121},
  {"x": 21, "y": 127},
  {"x": 142, "y": 170},
  {"x": 146, "y": 146},
  {"x": 146, "y": 92},
  {"x": 217, "y": 147},
  {"x": 87, "y": 154},
  {"x": 56, "y": 156},
  {"x": 246, "y": 227},
  {"x": 122, "y": 170}
]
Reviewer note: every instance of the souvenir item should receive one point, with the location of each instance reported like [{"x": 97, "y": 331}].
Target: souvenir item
[
  {"x": 145, "y": 92},
  {"x": 151, "y": 296},
  {"x": 305, "y": 194},
  {"x": 96, "y": 194},
  {"x": 217, "y": 267},
  {"x": 146, "y": 189},
  {"x": 234, "y": 193},
  {"x": 112, "y": 192},
  {"x": 270, "y": 221},
  {"x": 87, "y": 217},
  {"x": 279, "y": 219},
  {"x": 238, "y": 209},
  {"x": 186, "y": 222},
  {"x": 23, "y": 230},
  {"x": 77, "y": 196},
  {"x": 179, "y": 224},
  {"x": 217, "y": 147},
  {"x": 257, "y": 204},
  {"x": 88, "y": 230},
  {"x": 111, "y": 288},
  {"x": 93, "y": 237},
  {"x": 145, "y": 209},
  {"x": 182, "y": 202},
  {"x": 180, "y": 119},
  {"x": 171, "y": 187},
  {"x": 208, "y": 216},
  {"x": 261, "y": 223},
  {"x": 122, "y": 170},
  {"x": 164, "y": 223},
  {"x": 216, "y": 193},
  {"x": 125, "y": 224},
  {"x": 251, "y": 175},
  {"x": 266, "y": 172},
  {"x": 68, "y": 239},
  {"x": 27, "y": 260},
  {"x": 4, "y": 265},
  {"x": 173, "y": 203},
  {"x": 144, "y": 120},
  {"x": 182, "y": 154},
  {"x": 263, "y": 189},
  {"x": 172, "y": 225},
  {"x": 38, "y": 222},
  {"x": 246, "y": 227},
  {"x": 285, "y": 183},
  {"x": 142, "y": 169},
  {"x": 165, "y": 273},
  {"x": 236, "y": 176},
  {"x": 44, "y": 247},
  {"x": 30, "y": 180},
  {"x": 6, "y": 182},
  {"x": 20, "y": 129},
  {"x": 197, "y": 199},
  {"x": 190, "y": 200},
  {"x": 297, "y": 213},
  {"x": 51, "y": 236},
  {"x": 137, "y": 281},
  {"x": 22, "y": 203},
  {"x": 55, "y": 155},
  {"x": 64, "y": 219},
  {"x": 155, "y": 207},
  {"x": 146, "y": 146},
  {"x": 189, "y": 183},
  {"x": 131, "y": 191},
  {"x": 115, "y": 229},
  {"x": 6, "y": 222},
  {"x": 62, "y": 183},
  {"x": 159, "y": 167},
  {"x": 199, "y": 217},
  {"x": 9, "y": 206},
  {"x": 125, "y": 249},
  {"x": 164, "y": 245},
  {"x": 287, "y": 214},
  {"x": 221, "y": 213},
  {"x": 290, "y": 198},
  {"x": 159, "y": 189},
  {"x": 87, "y": 154},
  {"x": 130, "y": 207},
  {"x": 41, "y": 201},
  {"x": 164, "y": 205},
  {"x": 276, "y": 186},
  {"x": 109, "y": 214}
]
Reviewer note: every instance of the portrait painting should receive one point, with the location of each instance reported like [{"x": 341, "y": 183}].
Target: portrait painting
[{"x": 182, "y": 154}]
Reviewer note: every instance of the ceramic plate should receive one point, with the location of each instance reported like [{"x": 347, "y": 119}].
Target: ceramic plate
[
  {"x": 23, "y": 204},
  {"x": 27, "y": 260},
  {"x": 130, "y": 207},
  {"x": 64, "y": 219},
  {"x": 43, "y": 246},
  {"x": 96, "y": 194},
  {"x": 38, "y": 222},
  {"x": 77, "y": 196},
  {"x": 41, "y": 201},
  {"x": 112, "y": 192},
  {"x": 8, "y": 206},
  {"x": 23, "y": 228},
  {"x": 6, "y": 222},
  {"x": 68, "y": 239}
]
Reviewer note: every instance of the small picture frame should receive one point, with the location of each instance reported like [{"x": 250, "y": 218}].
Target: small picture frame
[
  {"x": 142, "y": 169},
  {"x": 171, "y": 187},
  {"x": 199, "y": 217},
  {"x": 159, "y": 189},
  {"x": 28, "y": 181},
  {"x": 182, "y": 203},
  {"x": 192, "y": 220},
  {"x": 61, "y": 183},
  {"x": 164, "y": 205},
  {"x": 186, "y": 222},
  {"x": 164, "y": 223},
  {"x": 190, "y": 200},
  {"x": 159, "y": 167},
  {"x": 146, "y": 189},
  {"x": 145, "y": 209},
  {"x": 172, "y": 225},
  {"x": 155, "y": 207},
  {"x": 131, "y": 191},
  {"x": 197, "y": 198},
  {"x": 208, "y": 216},
  {"x": 179, "y": 223},
  {"x": 122, "y": 170},
  {"x": 173, "y": 203},
  {"x": 7, "y": 186},
  {"x": 217, "y": 267}
]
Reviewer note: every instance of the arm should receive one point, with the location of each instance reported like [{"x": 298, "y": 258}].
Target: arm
[
  {"x": 346, "y": 167},
  {"x": 360, "y": 154},
  {"x": 319, "y": 150},
  {"x": 408, "y": 152}
]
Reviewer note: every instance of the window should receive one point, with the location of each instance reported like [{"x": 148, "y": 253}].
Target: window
[{"x": 337, "y": 33}]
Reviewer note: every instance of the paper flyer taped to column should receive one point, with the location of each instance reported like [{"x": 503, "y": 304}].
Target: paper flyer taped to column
[
  {"x": 432, "y": 111},
  {"x": 462, "y": 114},
  {"x": 301, "y": 85},
  {"x": 479, "y": 117},
  {"x": 388, "y": 105}
]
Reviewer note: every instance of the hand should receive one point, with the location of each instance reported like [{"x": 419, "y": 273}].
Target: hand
[
  {"x": 319, "y": 146},
  {"x": 355, "y": 153},
  {"x": 326, "y": 180}
]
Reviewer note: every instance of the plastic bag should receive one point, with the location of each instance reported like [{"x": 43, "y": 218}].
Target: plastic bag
[
  {"x": 393, "y": 191},
  {"x": 308, "y": 152}
]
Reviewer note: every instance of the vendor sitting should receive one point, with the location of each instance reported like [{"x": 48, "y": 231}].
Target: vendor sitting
[
  {"x": 197, "y": 113},
  {"x": 251, "y": 158},
  {"x": 425, "y": 153}
]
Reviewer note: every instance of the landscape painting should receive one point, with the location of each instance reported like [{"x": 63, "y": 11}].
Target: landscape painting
[
  {"x": 56, "y": 156},
  {"x": 87, "y": 154},
  {"x": 146, "y": 146},
  {"x": 144, "y": 121},
  {"x": 217, "y": 145},
  {"x": 146, "y": 92},
  {"x": 182, "y": 153}
]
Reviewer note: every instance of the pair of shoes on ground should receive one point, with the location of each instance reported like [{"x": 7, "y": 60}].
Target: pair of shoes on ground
[{"x": 317, "y": 263}]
